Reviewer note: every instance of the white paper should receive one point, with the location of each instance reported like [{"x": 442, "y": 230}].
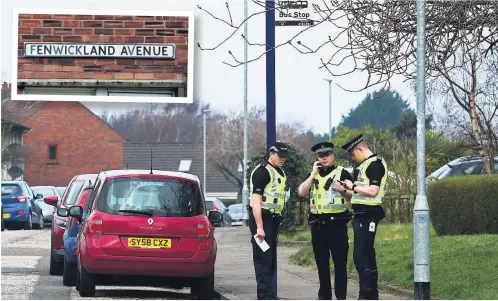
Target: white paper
[
  {"x": 372, "y": 227},
  {"x": 262, "y": 244}
]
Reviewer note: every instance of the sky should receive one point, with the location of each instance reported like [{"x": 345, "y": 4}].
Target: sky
[{"x": 302, "y": 94}]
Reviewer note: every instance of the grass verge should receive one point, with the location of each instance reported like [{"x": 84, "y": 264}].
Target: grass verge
[{"x": 462, "y": 267}]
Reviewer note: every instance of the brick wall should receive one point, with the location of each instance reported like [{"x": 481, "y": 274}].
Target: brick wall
[
  {"x": 103, "y": 29},
  {"x": 85, "y": 144}
]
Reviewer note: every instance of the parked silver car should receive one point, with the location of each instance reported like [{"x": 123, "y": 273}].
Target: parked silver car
[
  {"x": 237, "y": 214},
  {"x": 471, "y": 165},
  {"x": 48, "y": 211}
]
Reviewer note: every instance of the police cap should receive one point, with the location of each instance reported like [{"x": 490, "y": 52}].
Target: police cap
[
  {"x": 279, "y": 148},
  {"x": 323, "y": 148},
  {"x": 352, "y": 143}
]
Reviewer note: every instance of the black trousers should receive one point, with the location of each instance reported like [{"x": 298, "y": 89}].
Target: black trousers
[
  {"x": 329, "y": 239},
  {"x": 265, "y": 263},
  {"x": 364, "y": 256}
]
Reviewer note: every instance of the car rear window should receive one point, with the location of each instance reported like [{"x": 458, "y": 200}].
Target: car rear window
[
  {"x": 161, "y": 196},
  {"x": 8, "y": 189},
  {"x": 74, "y": 191}
]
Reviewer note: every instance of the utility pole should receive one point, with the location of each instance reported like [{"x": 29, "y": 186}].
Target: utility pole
[
  {"x": 421, "y": 217},
  {"x": 204, "y": 146},
  {"x": 330, "y": 107},
  {"x": 245, "y": 190}
]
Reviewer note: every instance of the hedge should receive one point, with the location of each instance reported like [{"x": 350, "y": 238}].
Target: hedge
[{"x": 464, "y": 205}]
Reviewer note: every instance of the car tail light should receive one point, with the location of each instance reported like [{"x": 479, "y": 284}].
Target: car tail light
[
  {"x": 22, "y": 198},
  {"x": 95, "y": 225},
  {"x": 21, "y": 212},
  {"x": 203, "y": 228}
]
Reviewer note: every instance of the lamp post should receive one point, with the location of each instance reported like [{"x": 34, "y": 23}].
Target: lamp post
[
  {"x": 421, "y": 217},
  {"x": 330, "y": 106},
  {"x": 245, "y": 189},
  {"x": 204, "y": 146}
]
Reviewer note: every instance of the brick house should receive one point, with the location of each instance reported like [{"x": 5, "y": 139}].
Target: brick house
[
  {"x": 65, "y": 139},
  {"x": 73, "y": 57}
]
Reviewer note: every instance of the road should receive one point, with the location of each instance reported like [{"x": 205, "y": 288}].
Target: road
[{"x": 25, "y": 273}]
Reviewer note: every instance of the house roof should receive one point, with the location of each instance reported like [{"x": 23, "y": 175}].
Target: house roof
[
  {"x": 16, "y": 112},
  {"x": 168, "y": 156}
]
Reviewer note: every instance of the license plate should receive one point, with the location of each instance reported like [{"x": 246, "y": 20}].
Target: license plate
[
  {"x": 149, "y": 243},
  {"x": 6, "y": 215}
]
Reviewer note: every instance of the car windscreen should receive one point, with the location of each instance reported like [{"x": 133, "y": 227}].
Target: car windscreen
[
  {"x": 45, "y": 191},
  {"x": 73, "y": 193},
  {"x": 8, "y": 189},
  {"x": 166, "y": 197}
]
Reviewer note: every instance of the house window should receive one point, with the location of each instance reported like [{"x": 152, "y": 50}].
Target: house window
[
  {"x": 52, "y": 152},
  {"x": 185, "y": 165}
]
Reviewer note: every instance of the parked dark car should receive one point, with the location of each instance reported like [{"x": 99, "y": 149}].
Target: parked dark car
[
  {"x": 59, "y": 223},
  {"x": 20, "y": 207},
  {"x": 471, "y": 165}
]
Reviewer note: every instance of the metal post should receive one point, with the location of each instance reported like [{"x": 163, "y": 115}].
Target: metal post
[
  {"x": 270, "y": 92},
  {"x": 330, "y": 107},
  {"x": 204, "y": 146},
  {"x": 270, "y": 74},
  {"x": 245, "y": 190},
  {"x": 421, "y": 217}
]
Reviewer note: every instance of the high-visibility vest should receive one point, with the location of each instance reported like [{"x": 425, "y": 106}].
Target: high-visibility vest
[
  {"x": 363, "y": 181},
  {"x": 274, "y": 193},
  {"x": 326, "y": 201}
]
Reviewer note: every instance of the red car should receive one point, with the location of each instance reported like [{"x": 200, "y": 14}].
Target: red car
[
  {"x": 59, "y": 222},
  {"x": 146, "y": 228}
]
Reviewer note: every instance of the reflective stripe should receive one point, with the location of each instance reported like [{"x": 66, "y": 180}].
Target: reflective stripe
[
  {"x": 330, "y": 206},
  {"x": 270, "y": 206}
]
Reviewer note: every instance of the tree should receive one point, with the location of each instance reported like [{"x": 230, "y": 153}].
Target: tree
[
  {"x": 407, "y": 125},
  {"x": 169, "y": 123},
  {"x": 225, "y": 140},
  {"x": 378, "y": 109},
  {"x": 380, "y": 39}
]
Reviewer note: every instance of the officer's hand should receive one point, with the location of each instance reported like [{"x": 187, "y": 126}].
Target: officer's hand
[
  {"x": 349, "y": 184},
  {"x": 316, "y": 166},
  {"x": 260, "y": 233},
  {"x": 338, "y": 187}
]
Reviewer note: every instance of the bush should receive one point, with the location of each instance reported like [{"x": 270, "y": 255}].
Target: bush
[
  {"x": 296, "y": 168},
  {"x": 464, "y": 205}
]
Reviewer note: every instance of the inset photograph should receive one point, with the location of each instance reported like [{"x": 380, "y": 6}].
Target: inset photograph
[{"x": 105, "y": 56}]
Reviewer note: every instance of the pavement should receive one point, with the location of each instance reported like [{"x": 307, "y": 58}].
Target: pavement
[
  {"x": 25, "y": 272},
  {"x": 235, "y": 277}
]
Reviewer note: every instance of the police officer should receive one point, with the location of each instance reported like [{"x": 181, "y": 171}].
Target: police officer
[
  {"x": 367, "y": 191},
  {"x": 328, "y": 220},
  {"x": 267, "y": 187}
]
